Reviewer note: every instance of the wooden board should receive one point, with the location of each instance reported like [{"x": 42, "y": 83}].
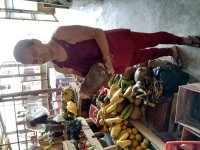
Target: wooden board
[
  {"x": 156, "y": 141},
  {"x": 68, "y": 145}
]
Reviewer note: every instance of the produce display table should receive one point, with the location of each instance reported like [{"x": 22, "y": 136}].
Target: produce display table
[{"x": 91, "y": 137}]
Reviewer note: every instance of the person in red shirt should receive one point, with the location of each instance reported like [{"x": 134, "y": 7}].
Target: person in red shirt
[{"x": 74, "y": 49}]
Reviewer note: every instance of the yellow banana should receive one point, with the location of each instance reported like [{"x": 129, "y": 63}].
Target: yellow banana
[
  {"x": 111, "y": 108},
  {"x": 118, "y": 100},
  {"x": 124, "y": 136},
  {"x": 128, "y": 91},
  {"x": 115, "y": 131},
  {"x": 106, "y": 107},
  {"x": 114, "y": 120},
  {"x": 112, "y": 90},
  {"x": 122, "y": 132},
  {"x": 123, "y": 144}
]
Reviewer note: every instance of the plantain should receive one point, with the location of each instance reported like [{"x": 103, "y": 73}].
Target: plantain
[
  {"x": 119, "y": 82},
  {"x": 117, "y": 100},
  {"x": 116, "y": 78},
  {"x": 127, "y": 115},
  {"x": 115, "y": 131},
  {"x": 125, "y": 110},
  {"x": 112, "y": 90},
  {"x": 111, "y": 81},
  {"x": 115, "y": 120},
  {"x": 128, "y": 82},
  {"x": 122, "y": 85},
  {"x": 116, "y": 95},
  {"x": 128, "y": 91},
  {"x": 99, "y": 114},
  {"x": 125, "y": 88},
  {"x": 124, "y": 136},
  {"x": 106, "y": 107},
  {"x": 123, "y": 144},
  {"x": 122, "y": 132},
  {"x": 111, "y": 108}
]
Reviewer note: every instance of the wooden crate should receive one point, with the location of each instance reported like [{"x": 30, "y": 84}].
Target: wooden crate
[
  {"x": 91, "y": 137},
  {"x": 187, "y": 95},
  {"x": 159, "y": 116}
]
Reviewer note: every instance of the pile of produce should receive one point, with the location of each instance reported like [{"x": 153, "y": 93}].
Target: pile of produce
[
  {"x": 126, "y": 136},
  {"x": 122, "y": 99},
  {"x": 69, "y": 107},
  {"x": 84, "y": 144},
  {"x": 49, "y": 142}
]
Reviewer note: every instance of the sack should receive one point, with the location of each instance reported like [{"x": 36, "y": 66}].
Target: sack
[
  {"x": 94, "y": 80},
  {"x": 171, "y": 77}
]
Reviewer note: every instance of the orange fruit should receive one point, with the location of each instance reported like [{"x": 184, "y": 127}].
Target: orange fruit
[
  {"x": 134, "y": 130},
  {"x": 135, "y": 143},
  {"x": 137, "y": 102},
  {"x": 129, "y": 130},
  {"x": 125, "y": 122},
  {"x": 138, "y": 137},
  {"x": 124, "y": 127},
  {"x": 139, "y": 148},
  {"x": 131, "y": 136}
]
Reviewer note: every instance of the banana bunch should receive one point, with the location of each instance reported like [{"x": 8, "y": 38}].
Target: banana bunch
[
  {"x": 125, "y": 114},
  {"x": 157, "y": 88},
  {"x": 113, "y": 121},
  {"x": 114, "y": 79},
  {"x": 112, "y": 90},
  {"x": 68, "y": 93},
  {"x": 72, "y": 107},
  {"x": 117, "y": 96},
  {"x": 115, "y": 130},
  {"x": 124, "y": 143},
  {"x": 124, "y": 83}
]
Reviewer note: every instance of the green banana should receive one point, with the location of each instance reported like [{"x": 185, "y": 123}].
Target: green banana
[
  {"x": 111, "y": 81},
  {"x": 122, "y": 85},
  {"x": 119, "y": 83},
  {"x": 127, "y": 115},
  {"x": 129, "y": 82},
  {"x": 125, "y": 110},
  {"x": 116, "y": 78},
  {"x": 126, "y": 87}
]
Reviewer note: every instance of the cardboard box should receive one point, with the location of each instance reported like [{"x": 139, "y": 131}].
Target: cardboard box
[{"x": 188, "y": 99}]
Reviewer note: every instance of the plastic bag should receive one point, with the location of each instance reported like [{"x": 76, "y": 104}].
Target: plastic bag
[
  {"x": 40, "y": 112},
  {"x": 171, "y": 77},
  {"x": 38, "y": 127}
]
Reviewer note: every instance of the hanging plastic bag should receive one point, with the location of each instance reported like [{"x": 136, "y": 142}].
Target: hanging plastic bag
[
  {"x": 39, "y": 112},
  {"x": 171, "y": 77}
]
